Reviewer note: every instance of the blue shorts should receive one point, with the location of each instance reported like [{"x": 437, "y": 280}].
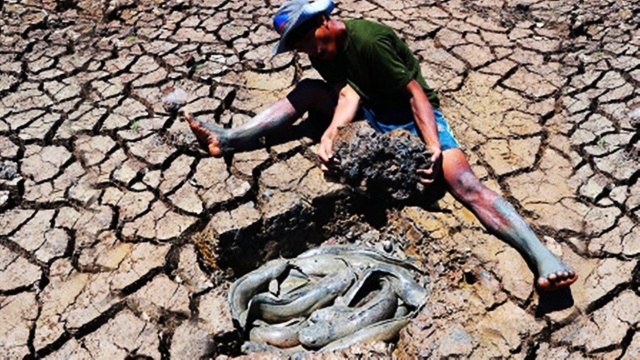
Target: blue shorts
[{"x": 403, "y": 119}]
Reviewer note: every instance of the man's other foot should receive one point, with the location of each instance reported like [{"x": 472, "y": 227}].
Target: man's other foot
[
  {"x": 208, "y": 135},
  {"x": 557, "y": 280}
]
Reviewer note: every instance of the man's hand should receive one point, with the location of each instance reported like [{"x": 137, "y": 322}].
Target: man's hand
[
  {"x": 428, "y": 176},
  {"x": 325, "y": 153},
  {"x": 345, "y": 111}
]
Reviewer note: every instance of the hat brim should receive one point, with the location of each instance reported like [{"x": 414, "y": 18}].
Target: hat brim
[{"x": 309, "y": 10}]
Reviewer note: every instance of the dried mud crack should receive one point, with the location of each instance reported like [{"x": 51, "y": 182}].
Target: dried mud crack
[{"x": 119, "y": 237}]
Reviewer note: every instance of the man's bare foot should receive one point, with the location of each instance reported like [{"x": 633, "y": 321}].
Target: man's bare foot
[
  {"x": 206, "y": 134},
  {"x": 557, "y": 280}
]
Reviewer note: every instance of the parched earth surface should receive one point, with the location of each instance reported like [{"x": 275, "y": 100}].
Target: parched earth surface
[{"x": 119, "y": 237}]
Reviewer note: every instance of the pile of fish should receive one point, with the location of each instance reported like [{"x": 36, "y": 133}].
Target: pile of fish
[{"x": 326, "y": 299}]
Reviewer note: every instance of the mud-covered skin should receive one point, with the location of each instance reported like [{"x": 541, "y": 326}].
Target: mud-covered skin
[
  {"x": 250, "y": 347},
  {"x": 552, "y": 273},
  {"x": 320, "y": 264},
  {"x": 218, "y": 141},
  {"x": 211, "y": 137},
  {"x": 382, "y": 166}
]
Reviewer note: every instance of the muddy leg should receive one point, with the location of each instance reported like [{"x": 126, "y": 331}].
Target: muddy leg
[
  {"x": 500, "y": 218},
  {"x": 307, "y": 95},
  {"x": 210, "y": 137}
]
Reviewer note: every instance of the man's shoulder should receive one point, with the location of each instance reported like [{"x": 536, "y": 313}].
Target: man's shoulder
[{"x": 366, "y": 32}]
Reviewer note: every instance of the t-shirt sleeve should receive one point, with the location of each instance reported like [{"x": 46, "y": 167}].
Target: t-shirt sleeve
[{"x": 387, "y": 65}]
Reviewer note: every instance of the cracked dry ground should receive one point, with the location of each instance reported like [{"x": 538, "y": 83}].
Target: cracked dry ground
[{"x": 106, "y": 200}]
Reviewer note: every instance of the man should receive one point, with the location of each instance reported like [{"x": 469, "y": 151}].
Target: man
[{"x": 368, "y": 70}]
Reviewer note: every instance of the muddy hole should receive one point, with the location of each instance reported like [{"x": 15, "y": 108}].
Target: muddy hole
[{"x": 380, "y": 172}]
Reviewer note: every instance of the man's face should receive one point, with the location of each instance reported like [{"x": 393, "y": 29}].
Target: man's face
[{"x": 316, "y": 39}]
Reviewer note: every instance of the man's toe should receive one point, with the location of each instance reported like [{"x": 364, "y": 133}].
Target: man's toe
[{"x": 543, "y": 283}]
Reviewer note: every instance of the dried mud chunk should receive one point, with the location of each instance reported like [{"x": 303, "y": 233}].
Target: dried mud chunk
[
  {"x": 7, "y": 172},
  {"x": 382, "y": 166}
]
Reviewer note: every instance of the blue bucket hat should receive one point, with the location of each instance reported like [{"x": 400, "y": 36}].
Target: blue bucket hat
[{"x": 293, "y": 14}]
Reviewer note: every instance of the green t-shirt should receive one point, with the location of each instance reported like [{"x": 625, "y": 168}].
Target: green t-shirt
[{"x": 377, "y": 64}]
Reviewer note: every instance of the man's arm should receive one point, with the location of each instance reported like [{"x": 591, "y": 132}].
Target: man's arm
[
  {"x": 423, "y": 115},
  {"x": 348, "y": 101}
]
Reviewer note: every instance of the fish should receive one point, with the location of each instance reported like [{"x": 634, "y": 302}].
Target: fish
[
  {"x": 321, "y": 264},
  {"x": 283, "y": 335},
  {"x": 243, "y": 289},
  {"x": 401, "y": 311},
  {"x": 405, "y": 287},
  {"x": 385, "y": 330},
  {"x": 249, "y": 347},
  {"x": 295, "y": 280},
  {"x": 303, "y": 302},
  {"x": 382, "y": 306},
  {"x": 348, "y": 252},
  {"x": 328, "y": 313}
]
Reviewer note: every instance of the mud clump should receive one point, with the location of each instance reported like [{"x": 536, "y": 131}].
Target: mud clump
[
  {"x": 634, "y": 115},
  {"x": 381, "y": 166},
  {"x": 173, "y": 100},
  {"x": 7, "y": 172}
]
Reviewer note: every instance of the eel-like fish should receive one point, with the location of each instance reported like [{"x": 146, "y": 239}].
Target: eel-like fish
[
  {"x": 249, "y": 347},
  {"x": 382, "y": 331},
  {"x": 243, "y": 289},
  {"x": 301, "y": 303},
  {"x": 295, "y": 280},
  {"x": 405, "y": 287},
  {"x": 328, "y": 313},
  {"x": 382, "y": 306},
  {"x": 344, "y": 251},
  {"x": 284, "y": 335},
  {"x": 321, "y": 264}
]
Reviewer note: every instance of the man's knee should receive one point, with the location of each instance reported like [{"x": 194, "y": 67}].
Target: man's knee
[
  {"x": 312, "y": 94},
  {"x": 313, "y": 86},
  {"x": 469, "y": 188}
]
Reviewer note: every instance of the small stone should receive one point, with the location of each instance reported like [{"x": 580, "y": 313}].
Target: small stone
[{"x": 174, "y": 100}]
